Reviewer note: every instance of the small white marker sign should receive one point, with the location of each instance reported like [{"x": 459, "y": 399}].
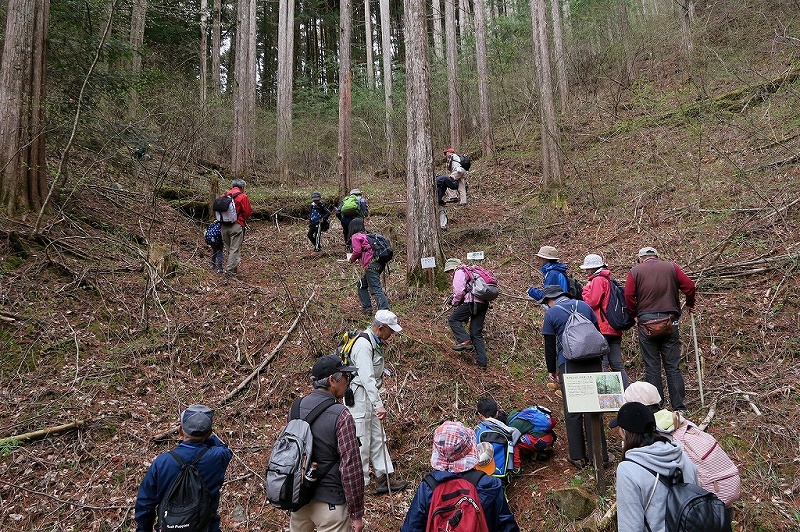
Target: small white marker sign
[
  {"x": 475, "y": 255},
  {"x": 428, "y": 262}
]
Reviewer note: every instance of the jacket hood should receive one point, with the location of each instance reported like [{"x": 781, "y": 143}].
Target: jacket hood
[
  {"x": 661, "y": 457},
  {"x": 557, "y": 266}
]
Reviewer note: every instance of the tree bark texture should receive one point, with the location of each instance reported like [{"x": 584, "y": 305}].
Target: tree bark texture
[
  {"x": 23, "y": 171},
  {"x": 386, "y": 52},
  {"x": 422, "y": 237},
  {"x": 345, "y": 156},
  {"x": 464, "y": 26},
  {"x": 558, "y": 49},
  {"x": 203, "y": 50},
  {"x": 452, "y": 73},
  {"x": 438, "y": 47},
  {"x": 368, "y": 45},
  {"x": 285, "y": 79},
  {"x": 136, "y": 39},
  {"x": 484, "y": 114},
  {"x": 244, "y": 98},
  {"x": 216, "y": 35},
  {"x": 551, "y": 158}
]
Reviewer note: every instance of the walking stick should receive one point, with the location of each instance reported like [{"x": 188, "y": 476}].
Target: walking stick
[
  {"x": 386, "y": 461},
  {"x": 319, "y": 233},
  {"x": 697, "y": 358}
]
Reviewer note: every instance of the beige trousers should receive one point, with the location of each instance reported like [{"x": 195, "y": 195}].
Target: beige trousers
[{"x": 322, "y": 517}]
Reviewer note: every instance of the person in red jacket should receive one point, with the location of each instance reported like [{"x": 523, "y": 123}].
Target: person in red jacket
[
  {"x": 233, "y": 232},
  {"x": 651, "y": 293},
  {"x": 596, "y": 294}
]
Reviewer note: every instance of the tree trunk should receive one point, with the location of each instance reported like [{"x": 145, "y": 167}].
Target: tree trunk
[
  {"x": 203, "y": 50},
  {"x": 23, "y": 171},
  {"x": 244, "y": 97},
  {"x": 464, "y": 28},
  {"x": 138, "y": 17},
  {"x": 484, "y": 115},
  {"x": 285, "y": 94},
  {"x": 216, "y": 35},
  {"x": 438, "y": 47},
  {"x": 551, "y": 158},
  {"x": 422, "y": 237},
  {"x": 368, "y": 45},
  {"x": 345, "y": 157},
  {"x": 558, "y": 45},
  {"x": 452, "y": 73},
  {"x": 685, "y": 9},
  {"x": 386, "y": 51}
]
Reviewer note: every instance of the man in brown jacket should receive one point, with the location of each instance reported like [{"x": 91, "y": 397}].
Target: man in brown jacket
[{"x": 651, "y": 295}]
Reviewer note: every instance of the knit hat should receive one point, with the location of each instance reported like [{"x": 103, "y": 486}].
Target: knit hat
[
  {"x": 451, "y": 264},
  {"x": 454, "y": 448},
  {"x": 636, "y": 418},
  {"x": 196, "y": 420},
  {"x": 642, "y": 392},
  {"x": 547, "y": 252},
  {"x": 648, "y": 251}
]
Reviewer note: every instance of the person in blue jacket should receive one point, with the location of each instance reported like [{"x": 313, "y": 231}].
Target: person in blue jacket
[
  {"x": 196, "y": 432},
  {"x": 317, "y": 220},
  {"x": 554, "y": 272},
  {"x": 455, "y": 451}
]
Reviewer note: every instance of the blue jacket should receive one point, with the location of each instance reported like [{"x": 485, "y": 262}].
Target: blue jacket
[
  {"x": 554, "y": 273},
  {"x": 490, "y": 490},
  {"x": 164, "y": 470}
]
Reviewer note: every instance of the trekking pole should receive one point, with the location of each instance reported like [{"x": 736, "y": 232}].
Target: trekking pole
[
  {"x": 386, "y": 461},
  {"x": 319, "y": 234},
  {"x": 697, "y": 358}
]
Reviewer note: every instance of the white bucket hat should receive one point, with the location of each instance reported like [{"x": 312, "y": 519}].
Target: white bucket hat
[{"x": 592, "y": 262}]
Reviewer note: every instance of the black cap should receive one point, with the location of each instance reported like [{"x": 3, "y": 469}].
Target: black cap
[
  {"x": 635, "y": 417},
  {"x": 329, "y": 365},
  {"x": 551, "y": 291}
]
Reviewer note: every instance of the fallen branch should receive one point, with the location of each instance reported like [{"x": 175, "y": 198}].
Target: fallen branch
[
  {"x": 43, "y": 433},
  {"x": 63, "y": 501}
]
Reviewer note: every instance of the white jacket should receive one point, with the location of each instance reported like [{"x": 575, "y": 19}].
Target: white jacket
[{"x": 367, "y": 356}]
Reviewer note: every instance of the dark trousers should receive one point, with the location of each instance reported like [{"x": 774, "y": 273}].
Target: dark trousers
[
  {"x": 578, "y": 425},
  {"x": 315, "y": 235},
  {"x": 665, "y": 350},
  {"x": 345, "y": 229},
  {"x": 475, "y": 314}
]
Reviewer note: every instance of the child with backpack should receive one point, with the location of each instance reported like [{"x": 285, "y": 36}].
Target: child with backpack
[
  {"x": 213, "y": 236},
  {"x": 369, "y": 286},
  {"x": 455, "y": 492},
  {"x": 317, "y": 221}
]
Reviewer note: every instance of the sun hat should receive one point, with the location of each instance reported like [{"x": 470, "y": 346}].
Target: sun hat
[
  {"x": 454, "y": 448},
  {"x": 648, "y": 251},
  {"x": 486, "y": 461},
  {"x": 356, "y": 191},
  {"x": 388, "y": 318},
  {"x": 196, "y": 420},
  {"x": 451, "y": 264},
  {"x": 547, "y": 252},
  {"x": 328, "y": 365},
  {"x": 316, "y": 195},
  {"x": 551, "y": 291},
  {"x": 634, "y": 417},
  {"x": 642, "y": 392},
  {"x": 592, "y": 261}
]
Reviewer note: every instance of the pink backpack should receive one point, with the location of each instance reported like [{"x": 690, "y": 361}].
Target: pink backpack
[{"x": 715, "y": 470}]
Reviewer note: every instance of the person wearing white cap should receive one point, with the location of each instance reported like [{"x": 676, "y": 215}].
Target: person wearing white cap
[
  {"x": 596, "y": 294},
  {"x": 553, "y": 271},
  {"x": 367, "y": 406},
  {"x": 353, "y": 206},
  {"x": 651, "y": 296}
]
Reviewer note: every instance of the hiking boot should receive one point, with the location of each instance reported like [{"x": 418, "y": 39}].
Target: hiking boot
[
  {"x": 579, "y": 463},
  {"x": 466, "y": 345},
  {"x": 384, "y": 483}
]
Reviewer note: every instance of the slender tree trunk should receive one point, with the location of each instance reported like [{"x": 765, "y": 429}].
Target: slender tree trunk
[
  {"x": 138, "y": 17},
  {"x": 386, "y": 50},
  {"x": 685, "y": 9},
  {"x": 464, "y": 26},
  {"x": 345, "y": 157},
  {"x": 422, "y": 236},
  {"x": 244, "y": 97},
  {"x": 368, "y": 45},
  {"x": 452, "y": 73},
  {"x": 561, "y": 65},
  {"x": 216, "y": 35},
  {"x": 203, "y": 50},
  {"x": 285, "y": 93},
  {"x": 23, "y": 171},
  {"x": 438, "y": 47},
  {"x": 484, "y": 114},
  {"x": 551, "y": 158}
]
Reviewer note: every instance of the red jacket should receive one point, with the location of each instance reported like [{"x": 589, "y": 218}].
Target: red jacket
[
  {"x": 653, "y": 285},
  {"x": 596, "y": 294},
  {"x": 243, "y": 208}
]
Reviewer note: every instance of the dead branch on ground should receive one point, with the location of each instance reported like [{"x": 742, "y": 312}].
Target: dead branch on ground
[{"x": 43, "y": 433}]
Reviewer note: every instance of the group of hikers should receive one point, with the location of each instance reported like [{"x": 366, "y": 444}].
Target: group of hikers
[{"x": 345, "y": 409}]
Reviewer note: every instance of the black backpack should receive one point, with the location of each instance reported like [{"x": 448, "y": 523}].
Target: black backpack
[
  {"x": 466, "y": 162},
  {"x": 689, "y": 507},
  {"x": 187, "y": 506},
  {"x": 617, "y": 313},
  {"x": 574, "y": 287},
  {"x": 381, "y": 247}
]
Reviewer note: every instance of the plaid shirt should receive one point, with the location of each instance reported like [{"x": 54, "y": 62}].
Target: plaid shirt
[{"x": 350, "y": 464}]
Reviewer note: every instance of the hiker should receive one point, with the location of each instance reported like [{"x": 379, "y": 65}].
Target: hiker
[
  {"x": 338, "y": 502},
  {"x": 467, "y": 308},
  {"x": 503, "y": 438},
  {"x": 641, "y": 497},
  {"x": 353, "y": 206},
  {"x": 535, "y": 424},
  {"x": 369, "y": 285},
  {"x": 317, "y": 220},
  {"x": 554, "y": 272},
  {"x": 578, "y": 426},
  {"x": 233, "y": 232},
  {"x": 195, "y": 431},
  {"x": 213, "y": 236},
  {"x": 455, "y": 455},
  {"x": 458, "y": 173},
  {"x": 596, "y": 293},
  {"x": 367, "y": 408},
  {"x": 444, "y": 183},
  {"x": 651, "y": 295}
]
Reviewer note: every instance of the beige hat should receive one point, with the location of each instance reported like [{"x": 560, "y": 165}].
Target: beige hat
[
  {"x": 451, "y": 264},
  {"x": 547, "y": 252},
  {"x": 642, "y": 392}
]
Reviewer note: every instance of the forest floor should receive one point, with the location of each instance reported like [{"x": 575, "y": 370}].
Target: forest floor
[{"x": 90, "y": 333}]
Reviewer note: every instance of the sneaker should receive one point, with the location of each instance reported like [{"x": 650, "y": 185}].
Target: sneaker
[
  {"x": 385, "y": 483},
  {"x": 466, "y": 345},
  {"x": 452, "y": 200}
]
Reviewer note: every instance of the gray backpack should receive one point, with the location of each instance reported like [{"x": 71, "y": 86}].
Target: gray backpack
[
  {"x": 290, "y": 475},
  {"x": 581, "y": 340}
]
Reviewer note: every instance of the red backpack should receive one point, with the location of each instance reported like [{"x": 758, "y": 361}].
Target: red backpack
[{"x": 455, "y": 505}]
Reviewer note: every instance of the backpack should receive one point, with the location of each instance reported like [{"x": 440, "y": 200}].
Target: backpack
[
  {"x": 503, "y": 448},
  {"x": 716, "y": 472},
  {"x": 455, "y": 504},
  {"x": 350, "y": 206},
  {"x": 346, "y": 343},
  {"x": 581, "y": 339},
  {"x": 187, "y": 505},
  {"x": 213, "y": 234},
  {"x": 574, "y": 287},
  {"x": 381, "y": 247},
  {"x": 290, "y": 461},
  {"x": 617, "y": 313},
  {"x": 466, "y": 162},
  {"x": 484, "y": 283},
  {"x": 689, "y": 507},
  {"x": 534, "y": 419},
  {"x": 225, "y": 208}
]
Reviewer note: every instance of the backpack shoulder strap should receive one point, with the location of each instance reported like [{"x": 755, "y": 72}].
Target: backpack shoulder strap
[
  {"x": 474, "y": 476},
  {"x": 197, "y": 458},
  {"x": 312, "y": 416},
  {"x": 430, "y": 481},
  {"x": 177, "y": 458}
]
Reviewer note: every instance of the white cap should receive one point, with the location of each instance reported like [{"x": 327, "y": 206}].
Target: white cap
[{"x": 388, "y": 318}]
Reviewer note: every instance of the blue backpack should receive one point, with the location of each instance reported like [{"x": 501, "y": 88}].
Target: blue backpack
[
  {"x": 617, "y": 313},
  {"x": 503, "y": 445},
  {"x": 214, "y": 235}
]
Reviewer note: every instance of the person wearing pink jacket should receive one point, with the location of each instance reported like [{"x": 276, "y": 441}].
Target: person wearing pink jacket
[
  {"x": 370, "y": 283},
  {"x": 466, "y": 308},
  {"x": 596, "y": 294}
]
